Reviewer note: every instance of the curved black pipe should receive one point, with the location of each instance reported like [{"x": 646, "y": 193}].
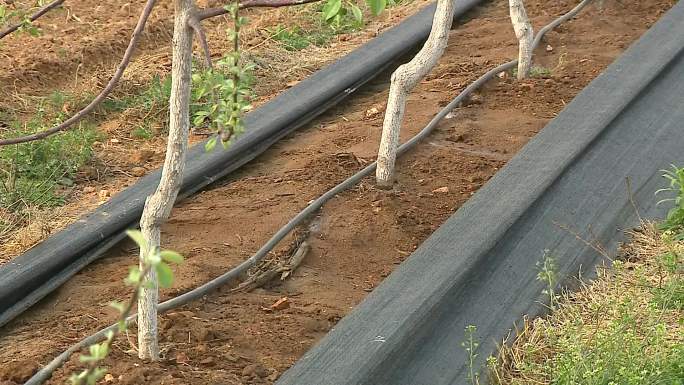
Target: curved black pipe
[{"x": 34, "y": 274}]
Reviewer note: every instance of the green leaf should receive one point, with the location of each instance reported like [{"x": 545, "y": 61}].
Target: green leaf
[
  {"x": 211, "y": 143},
  {"x": 377, "y": 6},
  {"x": 137, "y": 236},
  {"x": 134, "y": 274},
  {"x": 119, "y": 306},
  {"x": 121, "y": 324},
  {"x": 165, "y": 275},
  {"x": 171, "y": 256},
  {"x": 331, "y": 9},
  {"x": 356, "y": 11}
]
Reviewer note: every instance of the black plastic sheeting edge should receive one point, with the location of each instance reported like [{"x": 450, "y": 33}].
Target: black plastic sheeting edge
[
  {"x": 479, "y": 267},
  {"x": 39, "y": 271}
]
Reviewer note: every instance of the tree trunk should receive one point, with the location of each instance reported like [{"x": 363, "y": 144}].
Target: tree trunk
[
  {"x": 158, "y": 206},
  {"x": 525, "y": 35},
  {"x": 404, "y": 79}
]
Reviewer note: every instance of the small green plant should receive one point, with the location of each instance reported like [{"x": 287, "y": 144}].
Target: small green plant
[
  {"x": 675, "y": 217},
  {"x": 470, "y": 345},
  {"x": 153, "y": 260},
  {"x": 222, "y": 94},
  {"x": 142, "y": 132},
  {"x": 22, "y": 17},
  {"x": 549, "y": 275}
]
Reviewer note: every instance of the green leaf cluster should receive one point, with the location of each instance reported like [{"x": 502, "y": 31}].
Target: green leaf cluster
[{"x": 675, "y": 216}]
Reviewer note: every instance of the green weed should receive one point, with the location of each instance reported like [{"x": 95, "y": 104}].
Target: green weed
[
  {"x": 548, "y": 274},
  {"x": 675, "y": 217},
  {"x": 470, "y": 345}
]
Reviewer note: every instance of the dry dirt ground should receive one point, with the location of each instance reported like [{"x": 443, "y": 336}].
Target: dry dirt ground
[{"x": 359, "y": 237}]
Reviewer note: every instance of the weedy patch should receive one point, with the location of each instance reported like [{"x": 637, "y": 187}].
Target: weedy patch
[
  {"x": 296, "y": 39},
  {"x": 626, "y": 328},
  {"x": 32, "y": 172}
]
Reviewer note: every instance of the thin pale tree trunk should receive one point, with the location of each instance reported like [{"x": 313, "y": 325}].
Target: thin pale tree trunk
[
  {"x": 525, "y": 34},
  {"x": 404, "y": 79},
  {"x": 158, "y": 206}
]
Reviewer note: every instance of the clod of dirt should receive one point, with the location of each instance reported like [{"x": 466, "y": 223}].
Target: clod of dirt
[
  {"x": 315, "y": 325},
  {"x": 141, "y": 156},
  {"x": 182, "y": 358},
  {"x": 138, "y": 171},
  {"x": 255, "y": 370}
]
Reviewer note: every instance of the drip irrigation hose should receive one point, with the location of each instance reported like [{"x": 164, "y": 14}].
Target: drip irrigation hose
[{"x": 43, "y": 374}]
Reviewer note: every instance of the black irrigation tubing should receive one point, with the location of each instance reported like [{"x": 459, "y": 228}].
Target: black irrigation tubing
[{"x": 45, "y": 373}]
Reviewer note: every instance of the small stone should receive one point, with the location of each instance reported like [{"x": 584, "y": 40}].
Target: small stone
[
  {"x": 108, "y": 377},
  {"x": 549, "y": 48},
  {"x": 104, "y": 194},
  {"x": 441, "y": 190},
  {"x": 114, "y": 140},
  {"x": 89, "y": 189},
  {"x": 501, "y": 75},
  {"x": 281, "y": 304},
  {"x": 138, "y": 171},
  {"x": 207, "y": 361}
]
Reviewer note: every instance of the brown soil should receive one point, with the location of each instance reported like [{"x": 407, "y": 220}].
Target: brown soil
[{"x": 358, "y": 238}]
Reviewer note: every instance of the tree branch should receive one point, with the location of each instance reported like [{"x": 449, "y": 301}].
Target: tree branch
[
  {"x": 137, "y": 32},
  {"x": 196, "y": 25},
  {"x": 218, "y": 11},
  {"x": 35, "y": 17}
]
